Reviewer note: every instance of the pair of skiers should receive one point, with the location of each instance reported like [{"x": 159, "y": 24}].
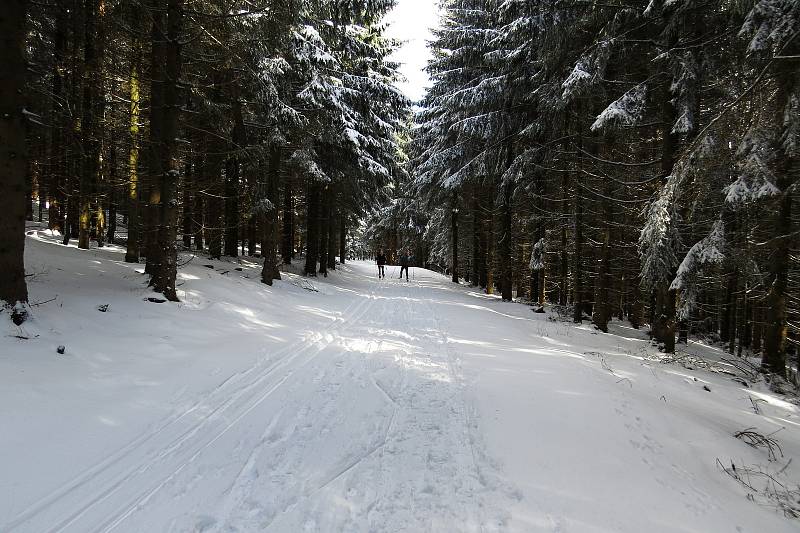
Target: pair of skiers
[{"x": 405, "y": 261}]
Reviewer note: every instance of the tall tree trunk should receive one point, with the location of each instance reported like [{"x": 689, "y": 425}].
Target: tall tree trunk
[
  {"x": 490, "y": 241},
  {"x": 324, "y": 230},
  {"x": 269, "y": 241},
  {"x": 163, "y": 280},
  {"x": 577, "y": 271},
  {"x": 213, "y": 224},
  {"x": 342, "y": 237},
  {"x": 198, "y": 220},
  {"x": 788, "y": 174},
  {"x": 475, "y": 208},
  {"x": 563, "y": 285},
  {"x": 55, "y": 183},
  {"x": 232, "y": 179},
  {"x": 506, "y": 261},
  {"x": 188, "y": 202},
  {"x": 112, "y": 190},
  {"x": 133, "y": 196},
  {"x": 758, "y": 328},
  {"x": 213, "y": 200},
  {"x": 100, "y": 181},
  {"x": 158, "y": 113},
  {"x": 287, "y": 235},
  {"x": 88, "y": 172},
  {"x": 232, "y": 207},
  {"x": 13, "y": 153},
  {"x": 73, "y": 168},
  {"x": 636, "y": 310},
  {"x": 776, "y": 316},
  {"x": 538, "y": 276},
  {"x": 29, "y": 187},
  {"x": 746, "y": 333},
  {"x": 734, "y": 311},
  {"x": 252, "y": 235},
  {"x": 332, "y": 245},
  {"x": 454, "y": 236},
  {"x": 602, "y": 306},
  {"x": 312, "y": 228},
  {"x": 664, "y": 324}
]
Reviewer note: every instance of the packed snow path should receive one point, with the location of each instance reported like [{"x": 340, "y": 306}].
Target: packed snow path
[{"x": 380, "y": 405}]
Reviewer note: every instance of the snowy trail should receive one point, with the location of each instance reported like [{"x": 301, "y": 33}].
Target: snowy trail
[
  {"x": 382, "y": 409},
  {"x": 159, "y": 455},
  {"x": 368, "y": 410},
  {"x": 381, "y": 405}
]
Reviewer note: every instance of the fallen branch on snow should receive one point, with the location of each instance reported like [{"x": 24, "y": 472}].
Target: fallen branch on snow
[
  {"x": 766, "y": 488},
  {"x": 756, "y": 440}
]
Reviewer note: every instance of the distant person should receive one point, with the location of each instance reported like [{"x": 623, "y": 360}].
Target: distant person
[
  {"x": 381, "y": 260},
  {"x": 405, "y": 260}
]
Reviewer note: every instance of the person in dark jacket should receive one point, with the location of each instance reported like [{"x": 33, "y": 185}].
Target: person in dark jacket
[
  {"x": 381, "y": 260},
  {"x": 405, "y": 261}
]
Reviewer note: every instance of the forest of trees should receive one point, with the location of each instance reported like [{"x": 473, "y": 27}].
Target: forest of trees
[
  {"x": 266, "y": 126},
  {"x": 630, "y": 159},
  {"x": 635, "y": 159}
]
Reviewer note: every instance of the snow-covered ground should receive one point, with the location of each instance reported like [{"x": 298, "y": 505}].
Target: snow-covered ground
[{"x": 367, "y": 405}]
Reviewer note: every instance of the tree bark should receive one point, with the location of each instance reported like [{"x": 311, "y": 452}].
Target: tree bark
[
  {"x": 163, "y": 280},
  {"x": 758, "y": 328},
  {"x": 133, "y": 196},
  {"x": 490, "y": 242},
  {"x": 563, "y": 286},
  {"x": 99, "y": 181},
  {"x": 324, "y": 231},
  {"x": 198, "y": 219},
  {"x": 506, "y": 260},
  {"x": 13, "y": 152},
  {"x": 476, "y": 237},
  {"x": 232, "y": 207},
  {"x": 112, "y": 191},
  {"x": 232, "y": 176},
  {"x": 787, "y": 172},
  {"x": 665, "y": 322},
  {"x": 269, "y": 241},
  {"x": 577, "y": 274},
  {"x": 158, "y": 111},
  {"x": 312, "y": 228},
  {"x": 454, "y": 236},
  {"x": 88, "y": 172},
  {"x": 332, "y": 245},
  {"x": 342, "y": 237},
  {"x": 188, "y": 203},
  {"x": 252, "y": 235},
  {"x": 287, "y": 230},
  {"x": 55, "y": 182}
]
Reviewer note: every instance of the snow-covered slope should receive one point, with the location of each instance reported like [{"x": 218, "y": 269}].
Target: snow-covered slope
[{"x": 366, "y": 405}]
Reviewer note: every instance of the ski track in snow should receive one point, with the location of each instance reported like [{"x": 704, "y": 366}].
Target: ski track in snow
[
  {"x": 410, "y": 465},
  {"x": 419, "y": 428},
  {"x": 377, "y": 405},
  {"x": 143, "y": 458}
]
